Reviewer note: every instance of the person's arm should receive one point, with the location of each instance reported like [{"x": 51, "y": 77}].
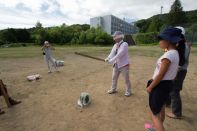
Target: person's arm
[
  {"x": 112, "y": 53},
  {"x": 51, "y": 47},
  {"x": 123, "y": 48},
  {"x": 164, "y": 68},
  {"x": 189, "y": 44},
  {"x": 43, "y": 47}
]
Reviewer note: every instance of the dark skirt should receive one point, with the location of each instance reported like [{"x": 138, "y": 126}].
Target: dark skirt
[{"x": 159, "y": 95}]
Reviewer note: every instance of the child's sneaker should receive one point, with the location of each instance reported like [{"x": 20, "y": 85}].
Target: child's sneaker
[{"x": 127, "y": 94}]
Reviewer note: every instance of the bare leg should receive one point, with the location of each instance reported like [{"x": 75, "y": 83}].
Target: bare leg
[
  {"x": 48, "y": 64},
  {"x": 157, "y": 122},
  {"x": 53, "y": 63},
  {"x": 162, "y": 114}
]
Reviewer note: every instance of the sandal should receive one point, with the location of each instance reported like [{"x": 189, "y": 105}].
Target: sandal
[
  {"x": 173, "y": 116},
  {"x": 149, "y": 127},
  {"x": 1, "y": 112},
  {"x": 13, "y": 102}
]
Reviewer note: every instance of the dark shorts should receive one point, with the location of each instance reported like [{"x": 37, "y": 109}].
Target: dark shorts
[{"x": 159, "y": 95}]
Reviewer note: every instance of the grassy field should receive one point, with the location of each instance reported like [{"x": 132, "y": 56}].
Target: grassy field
[
  {"x": 31, "y": 52},
  {"x": 49, "y": 104}
]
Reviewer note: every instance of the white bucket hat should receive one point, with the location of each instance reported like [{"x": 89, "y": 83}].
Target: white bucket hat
[
  {"x": 117, "y": 35},
  {"x": 182, "y": 30},
  {"x": 84, "y": 99}
]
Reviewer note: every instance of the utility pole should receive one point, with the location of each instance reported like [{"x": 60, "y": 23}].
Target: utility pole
[{"x": 161, "y": 10}]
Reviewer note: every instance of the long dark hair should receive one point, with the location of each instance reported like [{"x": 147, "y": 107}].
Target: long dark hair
[{"x": 181, "y": 49}]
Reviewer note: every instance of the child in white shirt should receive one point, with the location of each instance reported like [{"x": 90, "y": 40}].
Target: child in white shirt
[{"x": 165, "y": 72}]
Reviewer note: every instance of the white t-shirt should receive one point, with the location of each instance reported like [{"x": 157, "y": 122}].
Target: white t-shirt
[{"x": 173, "y": 57}]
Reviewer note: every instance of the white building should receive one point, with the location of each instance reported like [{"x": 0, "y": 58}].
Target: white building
[{"x": 110, "y": 24}]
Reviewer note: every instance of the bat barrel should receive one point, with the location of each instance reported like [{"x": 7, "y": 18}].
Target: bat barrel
[{"x": 77, "y": 53}]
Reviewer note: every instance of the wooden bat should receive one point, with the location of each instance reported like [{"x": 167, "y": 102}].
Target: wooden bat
[{"x": 96, "y": 58}]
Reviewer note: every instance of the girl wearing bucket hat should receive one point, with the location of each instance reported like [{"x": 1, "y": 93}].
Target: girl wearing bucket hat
[
  {"x": 120, "y": 59},
  {"x": 166, "y": 69}
]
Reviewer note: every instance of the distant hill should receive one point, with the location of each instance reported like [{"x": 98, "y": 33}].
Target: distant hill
[{"x": 144, "y": 25}]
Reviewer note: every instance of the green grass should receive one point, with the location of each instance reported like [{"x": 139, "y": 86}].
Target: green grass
[
  {"x": 35, "y": 51},
  {"x": 20, "y": 52}
]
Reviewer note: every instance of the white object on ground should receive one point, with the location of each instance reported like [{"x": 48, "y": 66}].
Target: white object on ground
[
  {"x": 84, "y": 99},
  {"x": 58, "y": 62},
  {"x": 33, "y": 77}
]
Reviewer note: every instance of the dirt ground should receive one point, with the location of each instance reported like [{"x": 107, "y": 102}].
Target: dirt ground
[{"x": 50, "y": 104}]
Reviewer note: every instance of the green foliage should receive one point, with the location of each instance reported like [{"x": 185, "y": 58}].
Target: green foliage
[
  {"x": 93, "y": 36},
  {"x": 155, "y": 25},
  {"x": 143, "y": 25},
  {"x": 176, "y": 15},
  {"x": 82, "y": 38},
  {"x": 102, "y": 37},
  {"x": 38, "y": 25},
  {"x": 146, "y": 38},
  {"x": 63, "y": 34},
  {"x": 191, "y": 33},
  {"x": 40, "y": 35},
  {"x": 13, "y": 35},
  {"x": 191, "y": 16}
]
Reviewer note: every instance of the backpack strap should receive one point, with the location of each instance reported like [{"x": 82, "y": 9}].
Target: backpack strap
[{"x": 118, "y": 48}]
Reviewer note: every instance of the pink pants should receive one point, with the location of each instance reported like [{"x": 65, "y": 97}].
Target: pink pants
[{"x": 115, "y": 75}]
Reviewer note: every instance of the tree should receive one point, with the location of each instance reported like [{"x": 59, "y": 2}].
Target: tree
[
  {"x": 63, "y": 25},
  {"x": 85, "y": 27},
  {"x": 82, "y": 38},
  {"x": 102, "y": 37},
  {"x": 9, "y": 35},
  {"x": 90, "y": 35},
  {"x": 41, "y": 36},
  {"x": 176, "y": 15},
  {"x": 143, "y": 25},
  {"x": 22, "y": 35},
  {"x": 63, "y": 34},
  {"x": 38, "y": 24},
  {"x": 191, "y": 33},
  {"x": 155, "y": 25}
]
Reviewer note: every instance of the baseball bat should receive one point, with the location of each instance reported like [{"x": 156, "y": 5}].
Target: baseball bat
[{"x": 96, "y": 58}]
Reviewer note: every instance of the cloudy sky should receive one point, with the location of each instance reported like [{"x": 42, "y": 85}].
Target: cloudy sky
[{"x": 25, "y": 13}]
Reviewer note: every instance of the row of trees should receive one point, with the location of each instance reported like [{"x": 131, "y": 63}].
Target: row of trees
[
  {"x": 14, "y": 35},
  {"x": 74, "y": 34}
]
